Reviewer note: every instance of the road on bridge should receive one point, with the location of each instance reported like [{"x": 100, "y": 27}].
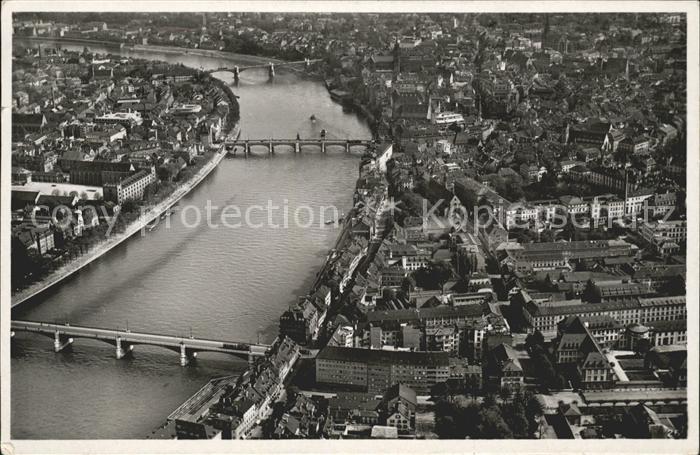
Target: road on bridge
[{"x": 136, "y": 337}]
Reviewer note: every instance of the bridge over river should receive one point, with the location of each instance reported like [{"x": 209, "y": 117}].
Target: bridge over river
[
  {"x": 297, "y": 144},
  {"x": 236, "y": 70},
  {"x": 125, "y": 340}
]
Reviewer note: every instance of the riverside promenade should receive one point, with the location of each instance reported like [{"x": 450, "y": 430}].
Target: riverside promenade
[{"x": 115, "y": 239}]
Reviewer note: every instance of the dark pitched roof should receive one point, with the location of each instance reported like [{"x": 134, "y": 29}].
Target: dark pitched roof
[
  {"x": 595, "y": 359},
  {"x": 462, "y": 311},
  {"x": 569, "y": 409},
  {"x": 402, "y": 391},
  {"x": 28, "y": 119},
  {"x": 24, "y": 197},
  {"x": 668, "y": 326},
  {"x": 99, "y": 166},
  {"x": 377, "y": 356}
]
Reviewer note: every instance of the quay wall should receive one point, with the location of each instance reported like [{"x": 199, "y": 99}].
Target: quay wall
[{"x": 116, "y": 239}]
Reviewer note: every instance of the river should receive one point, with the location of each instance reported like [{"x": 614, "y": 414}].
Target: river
[{"x": 228, "y": 283}]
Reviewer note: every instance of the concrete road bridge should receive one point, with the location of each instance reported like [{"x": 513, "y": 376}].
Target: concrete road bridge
[{"x": 125, "y": 340}]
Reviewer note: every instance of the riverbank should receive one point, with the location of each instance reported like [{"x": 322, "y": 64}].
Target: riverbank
[
  {"x": 361, "y": 110},
  {"x": 114, "y": 240},
  {"x": 349, "y": 101},
  {"x": 167, "y": 429},
  {"x": 239, "y": 59},
  {"x": 211, "y": 53},
  {"x": 174, "y": 279}
]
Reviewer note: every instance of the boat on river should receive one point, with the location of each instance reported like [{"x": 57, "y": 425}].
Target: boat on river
[{"x": 337, "y": 220}]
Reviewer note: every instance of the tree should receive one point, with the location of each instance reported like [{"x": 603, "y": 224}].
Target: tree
[
  {"x": 513, "y": 188},
  {"x": 468, "y": 199},
  {"x": 524, "y": 235},
  {"x": 466, "y": 263},
  {"x": 560, "y": 382},
  {"x": 128, "y": 207},
  {"x": 434, "y": 276},
  {"x": 504, "y": 393},
  {"x": 591, "y": 293},
  {"x": 543, "y": 365},
  {"x": 643, "y": 346},
  {"x": 472, "y": 385},
  {"x": 674, "y": 286},
  {"x": 407, "y": 285},
  {"x": 455, "y": 127},
  {"x": 548, "y": 235},
  {"x": 446, "y": 418},
  {"x": 446, "y": 428},
  {"x": 534, "y": 339},
  {"x": 167, "y": 172},
  {"x": 534, "y": 411},
  {"x": 454, "y": 420},
  {"x": 516, "y": 419},
  {"x": 269, "y": 424},
  {"x": 22, "y": 263},
  {"x": 412, "y": 203},
  {"x": 438, "y": 390},
  {"x": 492, "y": 425},
  {"x": 489, "y": 400}
]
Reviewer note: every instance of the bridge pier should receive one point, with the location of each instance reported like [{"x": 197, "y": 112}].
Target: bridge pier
[
  {"x": 271, "y": 70},
  {"x": 246, "y": 149},
  {"x": 184, "y": 360},
  {"x": 323, "y": 146},
  {"x": 120, "y": 351},
  {"x": 347, "y": 147},
  {"x": 186, "y": 355},
  {"x": 60, "y": 341},
  {"x": 270, "y": 148},
  {"x": 236, "y": 73},
  {"x": 297, "y": 147}
]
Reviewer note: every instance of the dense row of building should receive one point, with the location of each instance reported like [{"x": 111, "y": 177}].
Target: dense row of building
[
  {"x": 105, "y": 130},
  {"x": 531, "y": 122},
  {"x": 231, "y": 408}
]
